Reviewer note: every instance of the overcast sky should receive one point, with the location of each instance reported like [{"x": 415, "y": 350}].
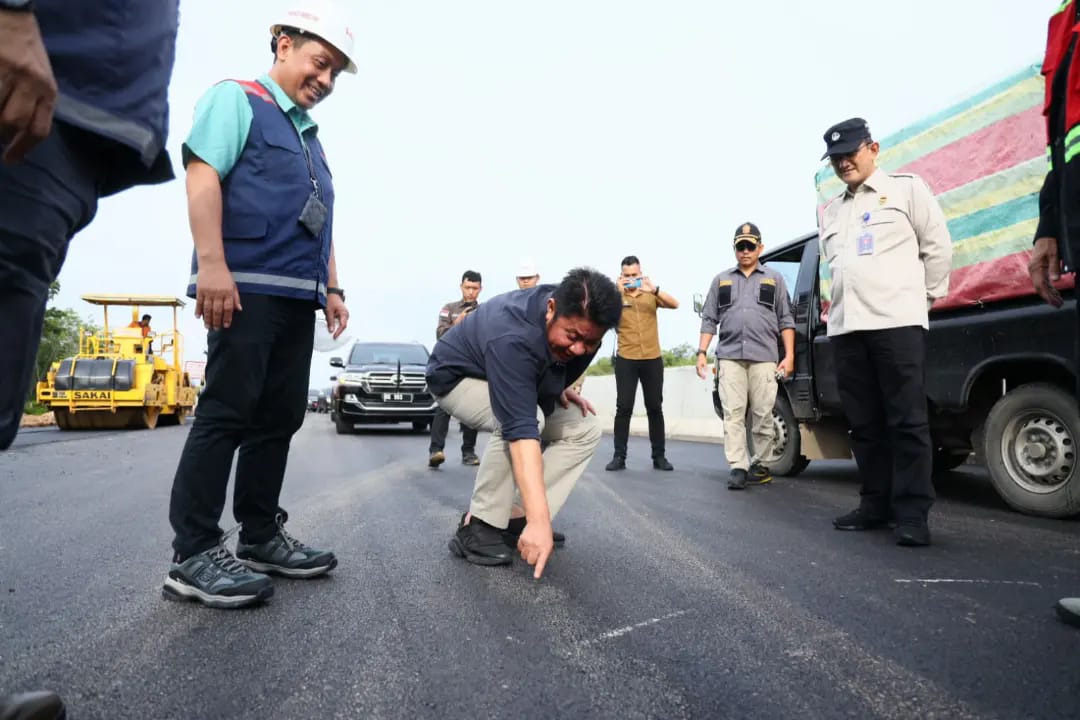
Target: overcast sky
[{"x": 479, "y": 131}]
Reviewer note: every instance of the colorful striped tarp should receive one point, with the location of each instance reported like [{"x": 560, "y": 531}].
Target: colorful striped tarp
[{"x": 985, "y": 159}]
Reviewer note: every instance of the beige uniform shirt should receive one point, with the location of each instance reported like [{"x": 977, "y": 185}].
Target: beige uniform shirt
[
  {"x": 889, "y": 252},
  {"x": 639, "y": 336}
]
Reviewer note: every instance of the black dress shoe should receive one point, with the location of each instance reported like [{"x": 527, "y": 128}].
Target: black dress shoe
[
  {"x": 737, "y": 481},
  {"x": 39, "y": 705},
  {"x": 1068, "y": 609},
  {"x": 516, "y": 526},
  {"x": 912, "y": 535},
  {"x": 617, "y": 463},
  {"x": 480, "y": 544},
  {"x": 859, "y": 519},
  {"x": 661, "y": 463}
]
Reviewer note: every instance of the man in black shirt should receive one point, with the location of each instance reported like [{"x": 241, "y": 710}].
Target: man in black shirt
[{"x": 507, "y": 368}]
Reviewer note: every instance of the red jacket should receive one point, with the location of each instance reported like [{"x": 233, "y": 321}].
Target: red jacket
[{"x": 1060, "y": 36}]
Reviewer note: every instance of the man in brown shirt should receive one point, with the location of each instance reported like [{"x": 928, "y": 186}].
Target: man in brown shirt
[{"x": 639, "y": 360}]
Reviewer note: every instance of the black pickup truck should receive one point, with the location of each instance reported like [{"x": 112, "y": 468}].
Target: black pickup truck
[{"x": 1000, "y": 383}]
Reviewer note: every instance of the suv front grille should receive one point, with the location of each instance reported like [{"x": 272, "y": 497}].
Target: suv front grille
[{"x": 389, "y": 382}]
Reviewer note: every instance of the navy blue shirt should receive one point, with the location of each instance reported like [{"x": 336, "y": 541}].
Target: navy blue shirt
[{"x": 504, "y": 341}]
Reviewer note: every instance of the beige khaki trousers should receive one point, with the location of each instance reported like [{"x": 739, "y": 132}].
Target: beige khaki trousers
[
  {"x": 572, "y": 441},
  {"x": 743, "y": 382}
]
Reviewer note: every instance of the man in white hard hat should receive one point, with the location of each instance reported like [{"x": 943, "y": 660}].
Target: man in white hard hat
[
  {"x": 261, "y": 204},
  {"x": 527, "y": 276}
]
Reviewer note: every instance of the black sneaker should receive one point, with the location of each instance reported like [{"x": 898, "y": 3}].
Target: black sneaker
[
  {"x": 436, "y": 459},
  {"x": 661, "y": 463},
  {"x": 912, "y": 535},
  {"x": 617, "y": 463},
  {"x": 286, "y": 556},
  {"x": 469, "y": 458},
  {"x": 516, "y": 526},
  {"x": 737, "y": 480},
  {"x": 759, "y": 474},
  {"x": 1068, "y": 609},
  {"x": 217, "y": 579},
  {"x": 39, "y": 705},
  {"x": 858, "y": 520},
  {"x": 480, "y": 544}
]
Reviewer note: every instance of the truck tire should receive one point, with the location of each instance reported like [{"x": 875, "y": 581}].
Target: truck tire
[
  {"x": 1030, "y": 450},
  {"x": 790, "y": 460},
  {"x": 946, "y": 460}
]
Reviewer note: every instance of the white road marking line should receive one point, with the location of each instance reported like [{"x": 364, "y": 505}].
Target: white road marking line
[
  {"x": 967, "y": 581},
  {"x": 618, "y": 632}
]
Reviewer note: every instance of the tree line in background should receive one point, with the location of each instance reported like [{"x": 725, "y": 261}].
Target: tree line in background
[{"x": 678, "y": 356}]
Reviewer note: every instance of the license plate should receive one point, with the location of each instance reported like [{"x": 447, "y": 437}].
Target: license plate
[{"x": 396, "y": 397}]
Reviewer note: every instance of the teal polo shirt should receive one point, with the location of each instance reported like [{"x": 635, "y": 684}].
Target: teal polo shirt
[{"x": 223, "y": 120}]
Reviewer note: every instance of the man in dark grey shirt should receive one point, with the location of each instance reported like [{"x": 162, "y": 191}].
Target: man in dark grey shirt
[
  {"x": 507, "y": 368},
  {"x": 749, "y": 309},
  {"x": 451, "y": 314}
]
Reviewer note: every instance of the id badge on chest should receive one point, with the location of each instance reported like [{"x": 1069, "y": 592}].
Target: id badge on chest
[
  {"x": 864, "y": 244},
  {"x": 313, "y": 216}
]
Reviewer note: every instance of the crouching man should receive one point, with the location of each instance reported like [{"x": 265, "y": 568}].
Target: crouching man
[{"x": 507, "y": 368}]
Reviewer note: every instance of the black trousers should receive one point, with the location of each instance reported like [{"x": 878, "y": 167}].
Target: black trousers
[
  {"x": 44, "y": 201},
  {"x": 882, "y": 381},
  {"x": 255, "y": 399},
  {"x": 440, "y": 426},
  {"x": 650, "y": 373}
]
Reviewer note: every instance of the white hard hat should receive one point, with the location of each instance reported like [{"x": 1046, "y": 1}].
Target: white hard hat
[
  {"x": 527, "y": 268},
  {"x": 325, "y": 19}
]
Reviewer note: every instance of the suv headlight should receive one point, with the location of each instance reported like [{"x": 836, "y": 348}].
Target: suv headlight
[{"x": 353, "y": 379}]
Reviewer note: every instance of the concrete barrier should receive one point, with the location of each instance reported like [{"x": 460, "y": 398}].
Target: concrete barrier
[{"x": 688, "y": 406}]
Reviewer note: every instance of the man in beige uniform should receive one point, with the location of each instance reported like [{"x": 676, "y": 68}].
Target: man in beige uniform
[
  {"x": 888, "y": 248},
  {"x": 527, "y": 276}
]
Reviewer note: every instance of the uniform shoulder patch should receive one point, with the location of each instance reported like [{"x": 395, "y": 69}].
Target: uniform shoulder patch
[{"x": 445, "y": 312}]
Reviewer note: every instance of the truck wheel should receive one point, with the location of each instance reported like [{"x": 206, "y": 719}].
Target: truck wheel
[
  {"x": 1030, "y": 449},
  {"x": 343, "y": 428},
  {"x": 946, "y": 460},
  {"x": 789, "y": 458}
]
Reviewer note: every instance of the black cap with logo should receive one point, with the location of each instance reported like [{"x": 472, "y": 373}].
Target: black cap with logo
[
  {"x": 846, "y": 137},
  {"x": 747, "y": 231}
]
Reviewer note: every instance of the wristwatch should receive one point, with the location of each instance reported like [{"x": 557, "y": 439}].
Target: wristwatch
[
  {"x": 17, "y": 5},
  {"x": 703, "y": 352},
  {"x": 330, "y": 290}
]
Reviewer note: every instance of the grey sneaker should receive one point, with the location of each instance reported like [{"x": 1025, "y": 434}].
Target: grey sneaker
[
  {"x": 214, "y": 578},
  {"x": 285, "y": 555}
]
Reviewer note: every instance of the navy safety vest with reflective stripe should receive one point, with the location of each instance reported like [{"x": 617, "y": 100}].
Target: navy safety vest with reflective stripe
[
  {"x": 267, "y": 250},
  {"x": 112, "y": 60}
]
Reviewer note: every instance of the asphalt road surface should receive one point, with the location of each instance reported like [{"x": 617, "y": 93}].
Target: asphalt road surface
[{"x": 673, "y": 597}]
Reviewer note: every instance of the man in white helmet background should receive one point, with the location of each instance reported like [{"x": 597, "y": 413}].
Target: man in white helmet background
[{"x": 261, "y": 207}]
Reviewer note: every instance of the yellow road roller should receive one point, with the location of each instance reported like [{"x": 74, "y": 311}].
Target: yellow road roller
[{"x": 124, "y": 376}]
